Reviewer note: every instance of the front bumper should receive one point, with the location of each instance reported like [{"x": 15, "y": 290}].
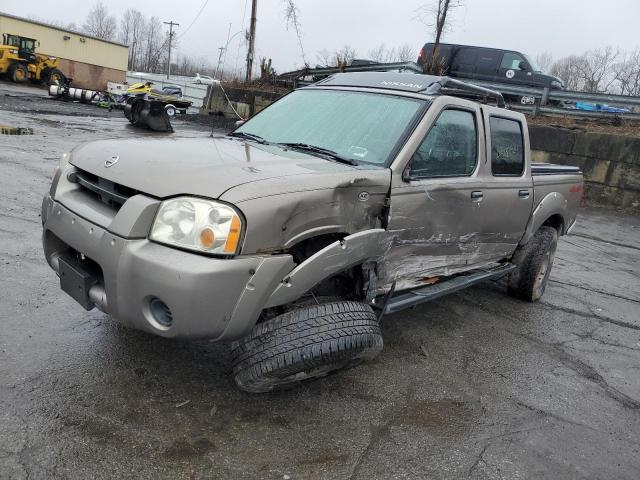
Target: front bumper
[{"x": 208, "y": 297}]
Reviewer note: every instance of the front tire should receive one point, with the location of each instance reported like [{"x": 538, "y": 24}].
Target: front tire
[
  {"x": 19, "y": 73},
  {"x": 533, "y": 265},
  {"x": 304, "y": 344}
]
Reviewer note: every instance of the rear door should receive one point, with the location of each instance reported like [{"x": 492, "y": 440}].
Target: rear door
[
  {"x": 436, "y": 204},
  {"x": 508, "y": 192}
]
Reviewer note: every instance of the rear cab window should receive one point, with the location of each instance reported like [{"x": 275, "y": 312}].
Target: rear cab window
[{"x": 507, "y": 147}]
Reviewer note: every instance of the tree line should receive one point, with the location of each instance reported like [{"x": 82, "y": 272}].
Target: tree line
[{"x": 603, "y": 70}]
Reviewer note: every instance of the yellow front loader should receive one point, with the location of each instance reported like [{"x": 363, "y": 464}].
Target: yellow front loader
[{"x": 19, "y": 62}]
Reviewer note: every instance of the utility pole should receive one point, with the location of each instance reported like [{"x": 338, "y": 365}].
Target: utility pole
[
  {"x": 215, "y": 75},
  {"x": 171, "y": 25},
  {"x": 252, "y": 38}
]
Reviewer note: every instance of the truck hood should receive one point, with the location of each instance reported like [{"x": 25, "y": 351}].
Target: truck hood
[{"x": 205, "y": 167}]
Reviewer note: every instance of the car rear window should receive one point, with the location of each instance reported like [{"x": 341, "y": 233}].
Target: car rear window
[{"x": 507, "y": 147}]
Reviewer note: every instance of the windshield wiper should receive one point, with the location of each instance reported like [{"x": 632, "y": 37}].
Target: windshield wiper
[
  {"x": 305, "y": 147},
  {"x": 249, "y": 136}
]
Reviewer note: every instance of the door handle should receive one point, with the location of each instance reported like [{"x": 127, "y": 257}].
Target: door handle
[
  {"x": 523, "y": 193},
  {"x": 476, "y": 195}
]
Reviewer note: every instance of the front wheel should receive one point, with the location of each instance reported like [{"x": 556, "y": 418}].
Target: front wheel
[
  {"x": 54, "y": 77},
  {"x": 533, "y": 265},
  {"x": 19, "y": 73},
  {"x": 170, "y": 109},
  {"x": 304, "y": 344}
]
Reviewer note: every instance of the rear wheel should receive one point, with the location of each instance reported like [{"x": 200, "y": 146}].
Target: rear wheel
[
  {"x": 304, "y": 344},
  {"x": 170, "y": 110},
  {"x": 18, "y": 73},
  {"x": 533, "y": 265}
]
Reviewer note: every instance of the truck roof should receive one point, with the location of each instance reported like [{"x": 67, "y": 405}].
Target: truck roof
[{"x": 411, "y": 83}]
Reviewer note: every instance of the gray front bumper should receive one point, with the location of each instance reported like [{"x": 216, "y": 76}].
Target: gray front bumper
[{"x": 208, "y": 297}]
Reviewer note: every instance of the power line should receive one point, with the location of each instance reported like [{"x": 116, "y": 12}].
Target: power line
[{"x": 194, "y": 20}]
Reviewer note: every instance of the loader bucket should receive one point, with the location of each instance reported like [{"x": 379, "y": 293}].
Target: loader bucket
[{"x": 149, "y": 114}]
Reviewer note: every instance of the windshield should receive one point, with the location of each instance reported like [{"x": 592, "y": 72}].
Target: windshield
[
  {"x": 532, "y": 64},
  {"x": 363, "y": 127}
]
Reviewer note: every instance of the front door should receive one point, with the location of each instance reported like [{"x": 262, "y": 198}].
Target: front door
[
  {"x": 436, "y": 210},
  {"x": 511, "y": 70}
]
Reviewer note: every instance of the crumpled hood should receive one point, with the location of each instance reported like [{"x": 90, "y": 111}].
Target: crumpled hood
[{"x": 204, "y": 167}]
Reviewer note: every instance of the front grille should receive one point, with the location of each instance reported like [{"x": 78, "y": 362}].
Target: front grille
[{"x": 110, "y": 193}]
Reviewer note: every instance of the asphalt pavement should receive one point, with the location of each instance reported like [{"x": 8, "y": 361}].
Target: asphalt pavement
[{"x": 475, "y": 385}]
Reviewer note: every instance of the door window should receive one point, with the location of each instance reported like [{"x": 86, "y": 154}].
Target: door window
[
  {"x": 507, "y": 147},
  {"x": 450, "y": 149},
  {"x": 511, "y": 61}
]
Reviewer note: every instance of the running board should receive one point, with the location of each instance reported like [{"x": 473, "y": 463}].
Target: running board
[{"x": 426, "y": 294}]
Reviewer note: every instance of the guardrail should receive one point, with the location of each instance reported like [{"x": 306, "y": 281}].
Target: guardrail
[{"x": 542, "y": 96}]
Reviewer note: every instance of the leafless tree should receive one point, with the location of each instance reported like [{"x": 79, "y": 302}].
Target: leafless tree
[
  {"x": 378, "y": 53},
  {"x": 292, "y": 17},
  {"x": 404, "y": 53},
  {"x": 344, "y": 56},
  {"x": 544, "y": 61},
  {"x": 99, "y": 23},
  {"x": 567, "y": 70},
  {"x": 627, "y": 74},
  {"x": 595, "y": 69},
  {"x": 439, "y": 17},
  {"x": 132, "y": 29},
  {"x": 325, "y": 58}
]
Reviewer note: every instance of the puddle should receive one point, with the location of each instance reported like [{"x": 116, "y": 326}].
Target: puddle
[{"x": 7, "y": 130}]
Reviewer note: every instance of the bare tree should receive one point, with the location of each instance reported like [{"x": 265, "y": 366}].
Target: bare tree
[
  {"x": 378, "y": 53},
  {"x": 344, "y": 56},
  {"x": 595, "y": 69},
  {"x": 567, "y": 69},
  {"x": 439, "y": 17},
  {"x": 99, "y": 23},
  {"x": 404, "y": 53},
  {"x": 544, "y": 61},
  {"x": 292, "y": 14},
  {"x": 325, "y": 58},
  {"x": 627, "y": 74},
  {"x": 132, "y": 28}
]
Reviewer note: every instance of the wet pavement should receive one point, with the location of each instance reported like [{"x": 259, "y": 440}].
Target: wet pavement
[{"x": 475, "y": 385}]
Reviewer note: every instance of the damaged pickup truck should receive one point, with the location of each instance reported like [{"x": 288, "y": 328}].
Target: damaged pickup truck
[{"x": 355, "y": 197}]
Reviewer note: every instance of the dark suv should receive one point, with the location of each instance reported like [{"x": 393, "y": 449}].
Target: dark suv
[{"x": 488, "y": 64}]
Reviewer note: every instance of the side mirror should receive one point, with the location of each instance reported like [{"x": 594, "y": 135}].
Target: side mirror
[
  {"x": 523, "y": 65},
  {"x": 239, "y": 123}
]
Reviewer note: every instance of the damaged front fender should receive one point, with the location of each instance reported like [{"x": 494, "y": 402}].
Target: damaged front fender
[{"x": 339, "y": 256}]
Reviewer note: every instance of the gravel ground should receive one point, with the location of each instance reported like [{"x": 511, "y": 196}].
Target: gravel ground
[{"x": 475, "y": 385}]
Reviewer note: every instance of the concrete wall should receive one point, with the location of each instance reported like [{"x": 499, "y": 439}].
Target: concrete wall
[
  {"x": 611, "y": 163},
  {"x": 245, "y": 102}
]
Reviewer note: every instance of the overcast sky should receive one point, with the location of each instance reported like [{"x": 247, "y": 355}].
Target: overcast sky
[{"x": 561, "y": 27}]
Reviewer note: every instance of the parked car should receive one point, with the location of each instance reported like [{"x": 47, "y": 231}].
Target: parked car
[
  {"x": 360, "y": 195},
  {"x": 488, "y": 64},
  {"x": 203, "y": 79}
]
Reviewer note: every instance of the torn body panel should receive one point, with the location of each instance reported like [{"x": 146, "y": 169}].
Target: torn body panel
[
  {"x": 353, "y": 250},
  {"x": 281, "y": 213}
]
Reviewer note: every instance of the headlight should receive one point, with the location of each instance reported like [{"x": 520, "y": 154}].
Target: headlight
[
  {"x": 198, "y": 224},
  {"x": 556, "y": 84}
]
